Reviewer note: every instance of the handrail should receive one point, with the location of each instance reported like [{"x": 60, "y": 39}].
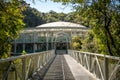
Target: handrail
[
  {"x": 101, "y": 55},
  {"x": 22, "y": 67},
  {"x": 105, "y": 67},
  {"x": 22, "y": 56}
]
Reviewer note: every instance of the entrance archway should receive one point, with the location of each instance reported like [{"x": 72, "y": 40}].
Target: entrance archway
[
  {"x": 61, "y": 46},
  {"x": 61, "y": 42}
]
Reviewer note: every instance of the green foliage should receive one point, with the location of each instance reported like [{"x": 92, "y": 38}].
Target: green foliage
[
  {"x": 103, "y": 16},
  {"x": 76, "y": 43},
  {"x": 10, "y": 24},
  {"x": 33, "y": 17},
  {"x": 23, "y": 52},
  {"x": 90, "y": 43}
]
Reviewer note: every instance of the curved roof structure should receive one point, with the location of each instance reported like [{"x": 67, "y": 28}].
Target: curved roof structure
[{"x": 60, "y": 24}]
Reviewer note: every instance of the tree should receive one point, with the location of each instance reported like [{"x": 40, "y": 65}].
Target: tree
[
  {"x": 103, "y": 16},
  {"x": 89, "y": 44},
  {"x": 76, "y": 43},
  {"x": 52, "y": 16},
  {"x": 32, "y": 17},
  {"x": 10, "y": 24}
]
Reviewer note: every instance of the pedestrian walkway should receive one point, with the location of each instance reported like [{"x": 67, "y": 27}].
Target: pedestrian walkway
[
  {"x": 78, "y": 71},
  {"x": 64, "y": 67}
]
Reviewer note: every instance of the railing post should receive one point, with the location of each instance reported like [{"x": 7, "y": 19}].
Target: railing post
[
  {"x": 90, "y": 62},
  {"x": 106, "y": 70},
  {"x": 43, "y": 59},
  {"x": 23, "y": 68},
  {"x": 78, "y": 57}
]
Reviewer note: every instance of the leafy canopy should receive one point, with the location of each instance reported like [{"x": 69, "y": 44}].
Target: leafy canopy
[
  {"x": 103, "y": 16},
  {"x": 76, "y": 43},
  {"x": 10, "y": 23}
]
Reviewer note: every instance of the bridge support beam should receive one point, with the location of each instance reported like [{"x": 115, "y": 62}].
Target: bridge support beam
[
  {"x": 47, "y": 41},
  {"x": 34, "y": 45},
  {"x": 106, "y": 70},
  {"x": 23, "y": 69}
]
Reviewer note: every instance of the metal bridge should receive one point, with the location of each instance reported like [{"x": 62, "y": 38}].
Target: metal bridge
[{"x": 47, "y": 65}]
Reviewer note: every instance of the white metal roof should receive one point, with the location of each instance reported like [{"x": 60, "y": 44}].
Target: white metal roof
[{"x": 60, "y": 24}]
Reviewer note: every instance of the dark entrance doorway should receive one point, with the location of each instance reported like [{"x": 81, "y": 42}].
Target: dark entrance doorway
[{"x": 61, "y": 48}]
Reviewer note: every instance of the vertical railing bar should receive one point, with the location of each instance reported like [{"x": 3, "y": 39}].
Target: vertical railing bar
[
  {"x": 114, "y": 71},
  {"x": 46, "y": 57},
  {"x": 84, "y": 60},
  {"x": 92, "y": 66},
  {"x": 23, "y": 68},
  {"x": 43, "y": 59},
  {"x": 87, "y": 62},
  {"x": 81, "y": 58},
  {"x": 18, "y": 74},
  {"x": 90, "y": 59},
  {"x": 40, "y": 61},
  {"x": 75, "y": 56},
  {"x": 100, "y": 69},
  {"x": 38, "y": 64},
  {"x": 50, "y": 53},
  {"x": 106, "y": 69},
  {"x": 78, "y": 57},
  {"x": 15, "y": 74},
  {"x": 34, "y": 63},
  {"x": 6, "y": 74},
  {"x": 28, "y": 68}
]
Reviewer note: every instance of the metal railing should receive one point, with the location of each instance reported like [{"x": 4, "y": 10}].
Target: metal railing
[
  {"x": 22, "y": 67},
  {"x": 104, "y": 67}
]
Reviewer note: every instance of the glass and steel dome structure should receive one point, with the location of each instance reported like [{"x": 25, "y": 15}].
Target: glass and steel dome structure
[{"x": 54, "y": 35}]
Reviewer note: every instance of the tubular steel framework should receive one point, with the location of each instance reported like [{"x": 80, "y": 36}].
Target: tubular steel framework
[
  {"x": 104, "y": 67},
  {"x": 24, "y": 66}
]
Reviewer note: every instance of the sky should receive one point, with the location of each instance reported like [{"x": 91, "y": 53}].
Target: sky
[{"x": 49, "y": 5}]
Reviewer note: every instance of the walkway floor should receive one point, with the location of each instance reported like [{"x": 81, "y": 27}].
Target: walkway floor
[
  {"x": 59, "y": 70},
  {"x": 64, "y": 67},
  {"x": 79, "y": 72}
]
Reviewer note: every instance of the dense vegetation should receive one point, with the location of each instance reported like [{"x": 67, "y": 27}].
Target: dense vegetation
[
  {"x": 102, "y": 16},
  {"x": 34, "y": 17},
  {"x": 14, "y": 15},
  {"x": 77, "y": 43},
  {"x": 11, "y": 22}
]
